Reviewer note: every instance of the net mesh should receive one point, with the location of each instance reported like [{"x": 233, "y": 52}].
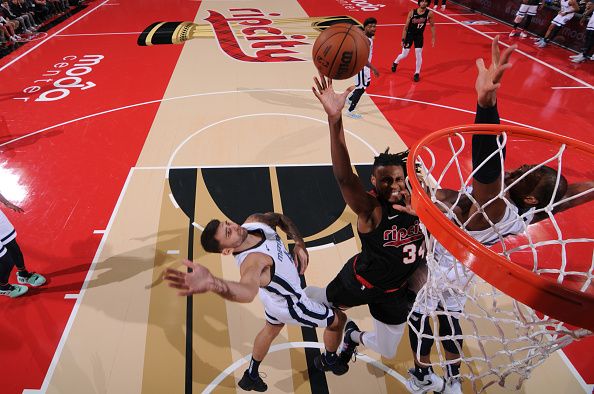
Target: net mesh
[{"x": 501, "y": 340}]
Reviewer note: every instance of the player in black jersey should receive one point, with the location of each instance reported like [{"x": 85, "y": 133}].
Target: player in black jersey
[
  {"x": 413, "y": 31},
  {"x": 392, "y": 241}
]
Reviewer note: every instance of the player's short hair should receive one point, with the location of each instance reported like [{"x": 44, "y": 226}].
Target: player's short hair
[
  {"x": 391, "y": 159},
  {"x": 370, "y": 21},
  {"x": 207, "y": 239},
  {"x": 541, "y": 188}
]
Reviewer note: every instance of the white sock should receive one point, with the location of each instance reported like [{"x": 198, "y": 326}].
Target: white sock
[
  {"x": 403, "y": 55},
  {"x": 419, "y": 56}
]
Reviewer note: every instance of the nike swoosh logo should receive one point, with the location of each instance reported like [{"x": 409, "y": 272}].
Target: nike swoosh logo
[{"x": 392, "y": 217}]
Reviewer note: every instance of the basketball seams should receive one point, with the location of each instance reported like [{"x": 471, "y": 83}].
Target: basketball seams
[
  {"x": 346, "y": 34},
  {"x": 325, "y": 55},
  {"x": 328, "y": 39}
]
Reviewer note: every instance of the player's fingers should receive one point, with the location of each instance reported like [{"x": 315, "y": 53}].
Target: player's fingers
[
  {"x": 319, "y": 86},
  {"x": 350, "y": 89},
  {"x": 507, "y": 53},
  {"x": 495, "y": 50},
  {"x": 184, "y": 293},
  {"x": 173, "y": 273},
  {"x": 399, "y": 208},
  {"x": 480, "y": 65},
  {"x": 189, "y": 263},
  {"x": 329, "y": 82},
  {"x": 178, "y": 286}
]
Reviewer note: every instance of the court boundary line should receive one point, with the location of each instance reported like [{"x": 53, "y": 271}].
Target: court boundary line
[
  {"x": 68, "y": 327},
  {"x": 50, "y": 36},
  {"x": 586, "y": 84}
]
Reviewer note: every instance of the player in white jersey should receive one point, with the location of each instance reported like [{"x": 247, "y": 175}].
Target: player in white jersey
[
  {"x": 11, "y": 255},
  {"x": 533, "y": 191},
  {"x": 267, "y": 269},
  {"x": 586, "y": 52},
  {"x": 526, "y": 12},
  {"x": 363, "y": 78},
  {"x": 567, "y": 11}
]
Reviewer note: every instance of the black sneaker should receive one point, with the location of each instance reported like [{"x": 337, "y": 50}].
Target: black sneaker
[
  {"x": 394, "y": 65},
  {"x": 416, "y": 77},
  {"x": 337, "y": 368},
  {"x": 348, "y": 345},
  {"x": 248, "y": 383}
]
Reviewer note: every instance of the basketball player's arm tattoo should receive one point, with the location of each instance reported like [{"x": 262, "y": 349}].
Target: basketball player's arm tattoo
[{"x": 281, "y": 221}]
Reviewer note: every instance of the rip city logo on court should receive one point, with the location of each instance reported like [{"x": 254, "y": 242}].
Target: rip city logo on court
[
  {"x": 253, "y": 35},
  {"x": 62, "y": 78}
]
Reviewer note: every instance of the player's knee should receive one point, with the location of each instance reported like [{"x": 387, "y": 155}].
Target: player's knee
[
  {"x": 450, "y": 327},
  {"x": 423, "y": 330},
  {"x": 339, "y": 321}
]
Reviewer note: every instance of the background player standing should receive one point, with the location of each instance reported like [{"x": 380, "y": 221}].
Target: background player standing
[
  {"x": 363, "y": 79},
  {"x": 567, "y": 11},
  {"x": 413, "y": 33},
  {"x": 527, "y": 11}
]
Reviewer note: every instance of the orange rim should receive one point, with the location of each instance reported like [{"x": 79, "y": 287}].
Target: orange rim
[{"x": 538, "y": 292}]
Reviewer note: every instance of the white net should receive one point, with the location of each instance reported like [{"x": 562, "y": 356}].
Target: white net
[{"x": 500, "y": 340}]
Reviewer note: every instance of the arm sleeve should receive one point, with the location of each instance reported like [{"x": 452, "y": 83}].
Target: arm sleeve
[{"x": 484, "y": 145}]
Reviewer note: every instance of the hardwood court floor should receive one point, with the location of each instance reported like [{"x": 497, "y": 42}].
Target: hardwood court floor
[{"x": 114, "y": 150}]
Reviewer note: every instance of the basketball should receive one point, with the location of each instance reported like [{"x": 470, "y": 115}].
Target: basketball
[{"x": 341, "y": 51}]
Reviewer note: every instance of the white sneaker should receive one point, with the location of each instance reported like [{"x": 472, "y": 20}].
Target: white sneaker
[
  {"x": 514, "y": 33},
  {"x": 353, "y": 115},
  {"x": 523, "y": 34},
  {"x": 435, "y": 7},
  {"x": 592, "y": 57},
  {"x": 576, "y": 55},
  {"x": 430, "y": 382},
  {"x": 443, "y": 7},
  {"x": 541, "y": 43},
  {"x": 453, "y": 386},
  {"x": 578, "y": 59}
]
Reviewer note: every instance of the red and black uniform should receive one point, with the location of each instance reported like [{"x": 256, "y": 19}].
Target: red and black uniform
[
  {"x": 416, "y": 28},
  {"x": 377, "y": 276}
]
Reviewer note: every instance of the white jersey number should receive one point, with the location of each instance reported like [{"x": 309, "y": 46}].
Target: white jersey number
[{"x": 411, "y": 250}]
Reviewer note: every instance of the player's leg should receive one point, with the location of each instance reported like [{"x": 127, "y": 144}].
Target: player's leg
[
  {"x": 443, "y": 4},
  {"x": 23, "y": 276},
  {"x": 418, "y": 57},
  {"x": 582, "y": 56},
  {"x": 420, "y": 335},
  {"x": 362, "y": 81},
  {"x": 406, "y": 44},
  {"x": 531, "y": 13},
  {"x": 251, "y": 379},
  {"x": 450, "y": 326},
  {"x": 520, "y": 15},
  {"x": 329, "y": 360},
  {"x": 6, "y": 264}
]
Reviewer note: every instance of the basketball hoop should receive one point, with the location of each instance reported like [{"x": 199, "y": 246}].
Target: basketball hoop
[{"x": 549, "y": 291}]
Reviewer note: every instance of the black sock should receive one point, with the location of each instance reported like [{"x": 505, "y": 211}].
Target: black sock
[
  {"x": 253, "y": 369},
  {"x": 24, "y": 273},
  {"x": 421, "y": 372},
  {"x": 5, "y": 287},
  {"x": 453, "y": 370},
  {"x": 330, "y": 357}
]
